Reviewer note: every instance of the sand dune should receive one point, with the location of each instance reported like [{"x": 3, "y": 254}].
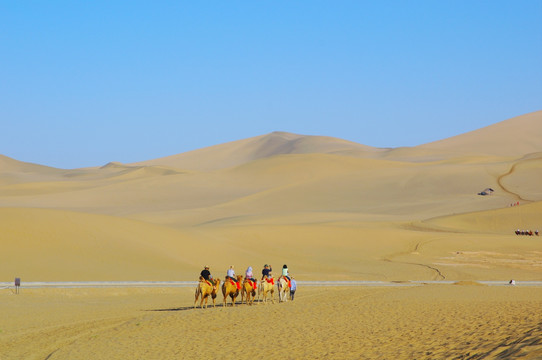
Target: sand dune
[
  {"x": 513, "y": 137},
  {"x": 55, "y": 245},
  {"x": 243, "y": 151},
  {"x": 335, "y": 209}
]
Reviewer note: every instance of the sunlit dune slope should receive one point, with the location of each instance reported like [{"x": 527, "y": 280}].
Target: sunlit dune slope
[
  {"x": 282, "y": 184},
  {"x": 525, "y": 178},
  {"x": 39, "y": 244},
  {"x": 502, "y": 221},
  {"x": 518, "y": 136},
  {"x": 243, "y": 151},
  {"x": 13, "y": 171}
]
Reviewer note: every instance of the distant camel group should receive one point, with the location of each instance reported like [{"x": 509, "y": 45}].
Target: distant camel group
[
  {"x": 249, "y": 289},
  {"x": 526, "y": 232}
]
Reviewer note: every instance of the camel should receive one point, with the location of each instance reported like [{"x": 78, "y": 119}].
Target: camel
[
  {"x": 248, "y": 291},
  {"x": 231, "y": 290},
  {"x": 266, "y": 288},
  {"x": 205, "y": 290},
  {"x": 284, "y": 290}
]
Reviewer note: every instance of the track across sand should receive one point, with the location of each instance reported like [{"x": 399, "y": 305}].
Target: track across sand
[{"x": 183, "y": 284}]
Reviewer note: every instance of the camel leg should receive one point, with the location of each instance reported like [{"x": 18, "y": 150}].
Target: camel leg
[
  {"x": 203, "y": 297},
  {"x": 196, "y": 295}
]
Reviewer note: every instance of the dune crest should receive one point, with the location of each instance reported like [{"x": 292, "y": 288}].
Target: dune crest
[
  {"x": 517, "y": 137},
  {"x": 242, "y": 151}
]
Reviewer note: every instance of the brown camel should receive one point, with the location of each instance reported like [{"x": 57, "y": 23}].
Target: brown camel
[
  {"x": 248, "y": 291},
  {"x": 284, "y": 290},
  {"x": 231, "y": 290},
  {"x": 204, "y": 289},
  {"x": 266, "y": 288}
]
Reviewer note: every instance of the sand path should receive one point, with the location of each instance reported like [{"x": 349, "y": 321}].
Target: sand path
[
  {"x": 414, "y": 248},
  {"x": 510, "y": 172}
]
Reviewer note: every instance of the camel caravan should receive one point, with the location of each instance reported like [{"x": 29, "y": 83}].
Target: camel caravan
[{"x": 248, "y": 286}]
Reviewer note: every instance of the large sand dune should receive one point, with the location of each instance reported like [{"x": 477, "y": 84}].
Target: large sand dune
[
  {"x": 518, "y": 136},
  {"x": 242, "y": 151},
  {"x": 330, "y": 208}
]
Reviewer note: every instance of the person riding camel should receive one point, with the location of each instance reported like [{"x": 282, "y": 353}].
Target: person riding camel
[
  {"x": 206, "y": 275},
  {"x": 231, "y": 275},
  {"x": 285, "y": 274},
  {"x": 249, "y": 276},
  {"x": 266, "y": 274}
]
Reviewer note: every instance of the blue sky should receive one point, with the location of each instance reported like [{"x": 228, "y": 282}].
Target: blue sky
[{"x": 85, "y": 83}]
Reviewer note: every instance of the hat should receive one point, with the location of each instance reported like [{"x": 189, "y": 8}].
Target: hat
[
  {"x": 206, "y": 267},
  {"x": 265, "y": 265}
]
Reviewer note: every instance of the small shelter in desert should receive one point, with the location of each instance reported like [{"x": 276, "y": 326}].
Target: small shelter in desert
[{"x": 487, "y": 191}]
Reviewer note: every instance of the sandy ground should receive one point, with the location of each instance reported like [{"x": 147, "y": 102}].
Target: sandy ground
[{"x": 423, "y": 322}]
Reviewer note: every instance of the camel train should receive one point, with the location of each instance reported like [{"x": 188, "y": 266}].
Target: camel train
[{"x": 250, "y": 288}]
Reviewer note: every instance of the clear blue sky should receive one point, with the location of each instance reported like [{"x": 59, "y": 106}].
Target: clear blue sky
[{"x": 83, "y": 83}]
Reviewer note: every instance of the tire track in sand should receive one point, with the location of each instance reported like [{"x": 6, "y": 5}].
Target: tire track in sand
[
  {"x": 510, "y": 172},
  {"x": 438, "y": 275}
]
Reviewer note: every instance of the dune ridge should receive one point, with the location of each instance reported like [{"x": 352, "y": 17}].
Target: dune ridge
[{"x": 518, "y": 136}]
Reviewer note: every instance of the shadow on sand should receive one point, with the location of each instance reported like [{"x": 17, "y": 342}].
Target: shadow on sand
[{"x": 184, "y": 308}]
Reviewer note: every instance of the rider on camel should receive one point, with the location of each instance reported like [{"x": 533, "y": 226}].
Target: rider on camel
[
  {"x": 285, "y": 272},
  {"x": 231, "y": 275},
  {"x": 249, "y": 276},
  {"x": 266, "y": 272},
  {"x": 206, "y": 275}
]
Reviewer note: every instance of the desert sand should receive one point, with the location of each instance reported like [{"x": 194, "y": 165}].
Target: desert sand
[
  {"x": 423, "y": 322},
  {"x": 329, "y": 208}
]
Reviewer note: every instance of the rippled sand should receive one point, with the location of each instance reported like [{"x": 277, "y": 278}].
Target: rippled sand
[{"x": 424, "y": 322}]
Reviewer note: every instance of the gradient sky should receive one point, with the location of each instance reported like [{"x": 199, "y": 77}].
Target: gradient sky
[{"x": 85, "y": 83}]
